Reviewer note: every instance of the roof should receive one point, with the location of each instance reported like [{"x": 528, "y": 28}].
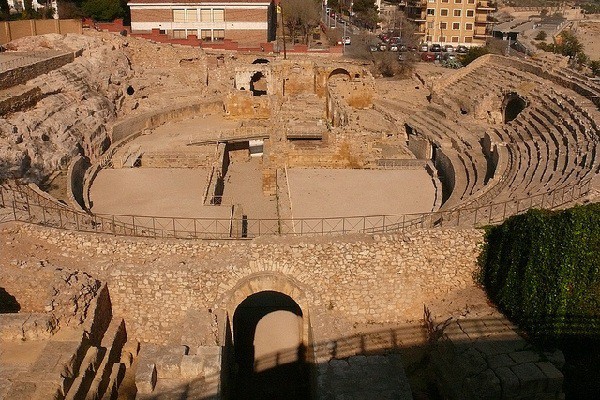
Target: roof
[{"x": 195, "y": 2}]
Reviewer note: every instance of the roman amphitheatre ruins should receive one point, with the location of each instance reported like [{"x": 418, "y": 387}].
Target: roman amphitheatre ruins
[{"x": 181, "y": 224}]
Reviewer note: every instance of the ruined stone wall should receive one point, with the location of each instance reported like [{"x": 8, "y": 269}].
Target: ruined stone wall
[
  {"x": 296, "y": 77},
  {"x": 154, "y": 284},
  {"x": 75, "y": 178},
  {"x": 12, "y": 30},
  {"x": 24, "y": 73},
  {"x": 241, "y": 104}
]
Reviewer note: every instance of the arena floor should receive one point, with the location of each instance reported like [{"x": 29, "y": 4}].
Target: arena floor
[
  {"x": 351, "y": 192},
  {"x": 153, "y": 191}
]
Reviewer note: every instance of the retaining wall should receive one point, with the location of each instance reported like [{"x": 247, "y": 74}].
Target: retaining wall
[
  {"x": 18, "y": 75},
  {"x": 12, "y": 30}
]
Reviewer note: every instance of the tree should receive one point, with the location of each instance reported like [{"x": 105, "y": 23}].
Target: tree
[
  {"x": 569, "y": 45},
  {"x": 542, "y": 35},
  {"x": 301, "y": 16},
  {"x": 27, "y": 9},
  {"x": 103, "y": 10},
  {"x": 595, "y": 67},
  {"x": 366, "y": 12}
]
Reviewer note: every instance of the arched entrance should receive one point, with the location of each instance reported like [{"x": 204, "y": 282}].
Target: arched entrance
[
  {"x": 268, "y": 348},
  {"x": 258, "y": 84},
  {"x": 513, "y": 105},
  {"x": 339, "y": 73}
]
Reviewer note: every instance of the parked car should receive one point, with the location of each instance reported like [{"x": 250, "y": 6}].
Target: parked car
[
  {"x": 347, "y": 40},
  {"x": 424, "y": 47},
  {"x": 395, "y": 40},
  {"x": 429, "y": 57},
  {"x": 373, "y": 48},
  {"x": 462, "y": 49},
  {"x": 449, "y": 48},
  {"x": 394, "y": 46},
  {"x": 382, "y": 46},
  {"x": 435, "y": 48}
]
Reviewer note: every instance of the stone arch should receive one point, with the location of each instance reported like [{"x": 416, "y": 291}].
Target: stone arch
[
  {"x": 339, "y": 72},
  {"x": 258, "y": 84},
  {"x": 260, "y": 61},
  {"x": 512, "y": 106},
  {"x": 264, "y": 281}
]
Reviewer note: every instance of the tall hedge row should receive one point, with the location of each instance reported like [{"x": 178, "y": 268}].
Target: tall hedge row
[{"x": 543, "y": 270}]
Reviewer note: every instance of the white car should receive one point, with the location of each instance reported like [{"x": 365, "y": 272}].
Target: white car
[{"x": 347, "y": 40}]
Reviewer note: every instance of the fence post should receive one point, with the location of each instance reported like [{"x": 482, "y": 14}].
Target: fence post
[
  {"x": 43, "y": 213},
  {"x": 133, "y": 225},
  {"x": 403, "y": 222},
  {"x": 28, "y": 206},
  {"x": 490, "y": 214},
  {"x": 343, "y": 224},
  {"x": 553, "y": 196}
]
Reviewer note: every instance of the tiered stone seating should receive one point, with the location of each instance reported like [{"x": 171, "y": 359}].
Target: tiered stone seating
[{"x": 552, "y": 143}]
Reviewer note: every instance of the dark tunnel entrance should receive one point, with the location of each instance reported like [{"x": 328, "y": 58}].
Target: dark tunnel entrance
[
  {"x": 268, "y": 348},
  {"x": 513, "y": 105}
]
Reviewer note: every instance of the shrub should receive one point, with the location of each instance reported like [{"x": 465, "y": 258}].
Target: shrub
[
  {"x": 542, "y": 35},
  {"x": 543, "y": 270}
]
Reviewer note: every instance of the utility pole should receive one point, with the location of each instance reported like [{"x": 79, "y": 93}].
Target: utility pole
[{"x": 280, "y": 6}]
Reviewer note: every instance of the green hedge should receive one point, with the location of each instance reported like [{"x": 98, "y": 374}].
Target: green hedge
[{"x": 543, "y": 270}]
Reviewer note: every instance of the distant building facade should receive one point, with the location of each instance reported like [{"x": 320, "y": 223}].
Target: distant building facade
[
  {"x": 455, "y": 22},
  {"x": 248, "y": 22}
]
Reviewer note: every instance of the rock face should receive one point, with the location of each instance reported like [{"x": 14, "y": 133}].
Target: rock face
[{"x": 77, "y": 102}]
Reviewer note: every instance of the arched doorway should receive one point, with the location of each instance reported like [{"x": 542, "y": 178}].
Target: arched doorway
[
  {"x": 513, "y": 105},
  {"x": 339, "y": 73},
  {"x": 260, "y": 61},
  {"x": 268, "y": 348},
  {"x": 258, "y": 84}
]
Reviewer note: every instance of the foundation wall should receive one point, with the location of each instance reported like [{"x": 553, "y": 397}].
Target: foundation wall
[
  {"x": 361, "y": 279},
  {"x": 18, "y": 75}
]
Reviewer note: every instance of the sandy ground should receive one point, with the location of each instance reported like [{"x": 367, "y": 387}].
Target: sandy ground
[
  {"x": 589, "y": 35},
  {"x": 339, "y": 193},
  {"x": 175, "y": 136},
  {"x": 243, "y": 185},
  {"x": 153, "y": 191}
]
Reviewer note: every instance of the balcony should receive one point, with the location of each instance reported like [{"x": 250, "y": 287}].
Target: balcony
[{"x": 486, "y": 6}]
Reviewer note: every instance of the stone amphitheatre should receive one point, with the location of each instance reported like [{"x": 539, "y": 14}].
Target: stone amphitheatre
[{"x": 181, "y": 224}]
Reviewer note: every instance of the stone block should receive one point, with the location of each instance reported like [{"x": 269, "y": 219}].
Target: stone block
[
  {"x": 556, "y": 357},
  {"x": 509, "y": 382},
  {"x": 192, "y": 366},
  {"x": 499, "y": 360},
  {"x": 212, "y": 359},
  {"x": 522, "y": 357},
  {"x": 485, "y": 385},
  {"x": 555, "y": 378},
  {"x": 532, "y": 379},
  {"x": 168, "y": 366},
  {"x": 145, "y": 378}
]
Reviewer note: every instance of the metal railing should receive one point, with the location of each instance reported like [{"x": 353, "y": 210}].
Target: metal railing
[{"x": 22, "y": 203}]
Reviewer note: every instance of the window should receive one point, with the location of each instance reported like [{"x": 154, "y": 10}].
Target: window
[
  {"x": 205, "y": 35},
  {"x": 191, "y": 15},
  {"x": 454, "y": 39},
  {"x": 442, "y": 39},
  {"x": 445, "y": 1},
  {"x": 218, "y": 34},
  {"x": 469, "y": 26},
  {"x": 471, "y": 1},
  {"x": 178, "y": 15},
  {"x": 443, "y": 25},
  {"x": 205, "y": 15},
  {"x": 470, "y": 13},
  {"x": 457, "y": 12},
  {"x": 219, "y": 15},
  {"x": 430, "y": 25},
  {"x": 457, "y": 1},
  {"x": 444, "y": 12},
  {"x": 468, "y": 39},
  {"x": 179, "y": 34},
  {"x": 430, "y": 11},
  {"x": 456, "y": 26},
  {"x": 431, "y": 1},
  {"x": 428, "y": 38}
]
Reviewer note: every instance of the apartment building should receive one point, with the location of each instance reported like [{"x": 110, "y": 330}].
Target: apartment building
[
  {"x": 452, "y": 22},
  {"x": 248, "y": 22}
]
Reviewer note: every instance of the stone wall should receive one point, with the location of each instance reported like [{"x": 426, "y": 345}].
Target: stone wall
[
  {"x": 24, "y": 73},
  {"x": 22, "y": 99},
  {"x": 323, "y": 275},
  {"x": 242, "y": 104},
  {"x": 75, "y": 178},
  {"x": 11, "y": 30}
]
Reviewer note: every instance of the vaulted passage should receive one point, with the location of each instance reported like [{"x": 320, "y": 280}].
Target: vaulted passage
[
  {"x": 270, "y": 356},
  {"x": 514, "y": 104}
]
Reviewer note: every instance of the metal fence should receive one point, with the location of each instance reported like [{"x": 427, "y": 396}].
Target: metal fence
[{"x": 21, "y": 203}]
